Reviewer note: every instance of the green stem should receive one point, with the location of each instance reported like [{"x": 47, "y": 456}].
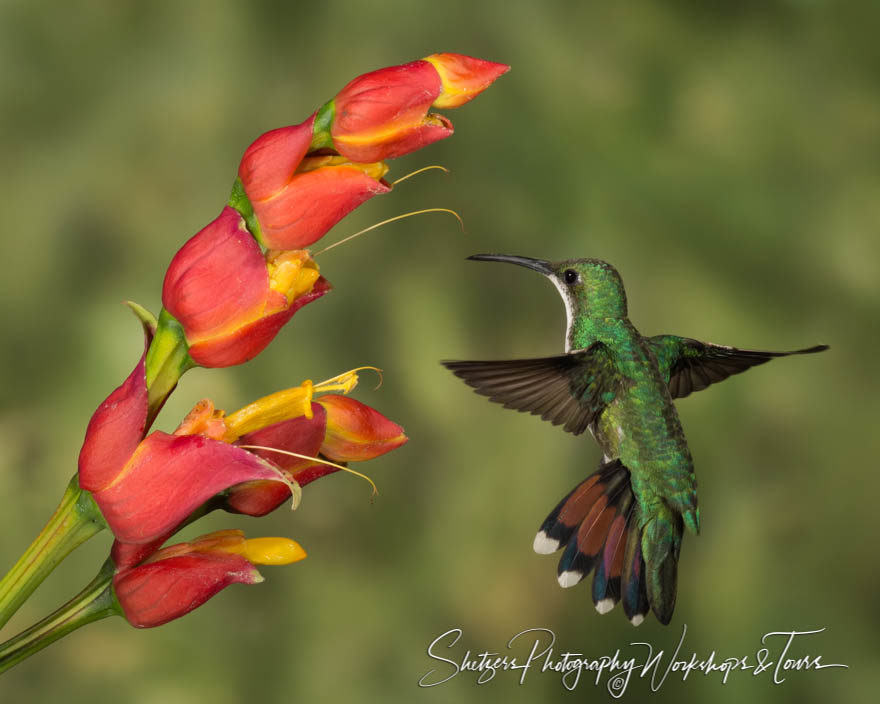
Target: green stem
[
  {"x": 167, "y": 360},
  {"x": 76, "y": 519},
  {"x": 95, "y": 602}
]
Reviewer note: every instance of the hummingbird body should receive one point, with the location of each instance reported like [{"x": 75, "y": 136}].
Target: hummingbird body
[{"x": 626, "y": 521}]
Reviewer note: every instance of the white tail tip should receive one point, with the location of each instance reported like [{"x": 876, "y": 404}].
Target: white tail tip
[
  {"x": 545, "y": 545},
  {"x": 569, "y": 578},
  {"x": 605, "y": 605}
]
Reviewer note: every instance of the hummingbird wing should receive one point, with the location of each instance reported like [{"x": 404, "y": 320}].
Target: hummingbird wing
[
  {"x": 569, "y": 390},
  {"x": 690, "y": 365}
]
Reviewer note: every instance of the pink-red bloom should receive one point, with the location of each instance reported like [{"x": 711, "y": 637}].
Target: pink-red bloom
[
  {"x": 297, "y": 198},
  {"x": 230, "y": 298},
  {"x": 146, "y": 487},
  {"x": 294, "y": 184},
  {"x": 175, "y": 580},
  {"x": 340, "y": 429},
  {"x": 384, "y": 114}
]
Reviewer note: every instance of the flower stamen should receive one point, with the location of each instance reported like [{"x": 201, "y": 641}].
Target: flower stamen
[
  {"x": 418, "y": 171},
  {"x": 317, "y": 460},
  {"x": 390, "y": 220}
]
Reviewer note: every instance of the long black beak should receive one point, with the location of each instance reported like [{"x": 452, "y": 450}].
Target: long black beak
[{"x": 538, "y": 265}]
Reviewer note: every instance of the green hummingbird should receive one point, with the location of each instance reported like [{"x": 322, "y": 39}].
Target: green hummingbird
[{"x": 626, "y": 521}]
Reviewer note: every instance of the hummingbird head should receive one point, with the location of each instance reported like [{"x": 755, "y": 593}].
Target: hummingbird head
[{"x": 590, "y": 288}]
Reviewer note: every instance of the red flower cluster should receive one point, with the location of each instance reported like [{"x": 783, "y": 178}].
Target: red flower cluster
[
  {"x": 238, "y": 281},
  {"x": 227, "y": 293},
  {"x": 148, "y": 486}
]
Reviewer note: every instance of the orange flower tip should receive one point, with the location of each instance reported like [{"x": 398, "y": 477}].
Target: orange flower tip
[
  {"x": 204, "y": 420},
  {"x": 463, "y": 77}
]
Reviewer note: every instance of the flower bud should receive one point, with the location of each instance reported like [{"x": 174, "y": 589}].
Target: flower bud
[
  {"x": 384, "y": 114},
  {"x": 296, "y": 198},
  {"x": 231, "y": 299},
  {"x": 175, "y": 580}
]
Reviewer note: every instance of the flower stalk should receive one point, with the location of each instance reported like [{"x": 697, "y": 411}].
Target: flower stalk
[
  {"x": 93, "y": 603},
  {"x": 76, "y": 519}
]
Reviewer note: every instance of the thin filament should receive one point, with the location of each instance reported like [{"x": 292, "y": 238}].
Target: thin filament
[
  {"x": 314, "y": 459},
  {"x": 418, "y": 171},
  {"x": 389, "y": 220},
  {"x": 354, "y": 371}
]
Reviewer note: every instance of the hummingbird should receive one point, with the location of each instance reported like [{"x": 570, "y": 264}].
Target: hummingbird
[{"x": 625, "y": 522}]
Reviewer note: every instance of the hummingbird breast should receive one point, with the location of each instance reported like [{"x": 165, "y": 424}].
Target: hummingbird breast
[{"x": 641, "y": 427}]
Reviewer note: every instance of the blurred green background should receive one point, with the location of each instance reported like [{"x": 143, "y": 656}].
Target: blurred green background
[{"x": 724, "y": 156}]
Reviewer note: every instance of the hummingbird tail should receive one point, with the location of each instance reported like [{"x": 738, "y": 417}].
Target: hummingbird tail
[{"x": 598, "y": 524}]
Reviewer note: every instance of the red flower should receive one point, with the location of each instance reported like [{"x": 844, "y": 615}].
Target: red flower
[
  {"x": 231, "y": 299},
  {"x": 148, "y": 487},
  {"x": 340, "y": 429},
  {"x": 177, "y": 579},
  {"x": 296, "y": 199},
  {"x": 384, "y": 114}
]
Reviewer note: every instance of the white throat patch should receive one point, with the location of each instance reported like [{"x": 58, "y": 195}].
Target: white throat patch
[{"x": 569, "y": 317}]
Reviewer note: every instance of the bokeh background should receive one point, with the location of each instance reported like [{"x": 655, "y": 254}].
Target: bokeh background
[{"x": 724, "y": 156}]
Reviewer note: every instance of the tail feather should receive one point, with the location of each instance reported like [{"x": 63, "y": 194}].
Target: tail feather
[
  {"x": 633, "y": 588},
  {"x": 598, "y": 522},
  {"x": 564, "y": 520},
  {"x": 606, "y": 580},
  {"x": 662, "y": 543}
]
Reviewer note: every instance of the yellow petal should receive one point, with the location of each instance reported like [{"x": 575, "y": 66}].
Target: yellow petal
[{"x": 272, "y": 551}]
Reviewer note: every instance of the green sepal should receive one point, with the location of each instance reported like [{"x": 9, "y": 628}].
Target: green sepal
[
  {"x": 148, "y": 320},
  {"x": 167, "y": 360},
  {"x": 321, "y": 137},
  {"x": 239, "y": 200}
]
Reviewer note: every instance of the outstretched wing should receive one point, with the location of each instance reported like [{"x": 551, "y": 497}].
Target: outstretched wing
[
  {"x": 569, "y": 390},
  {"x": 690, "y": 365}
]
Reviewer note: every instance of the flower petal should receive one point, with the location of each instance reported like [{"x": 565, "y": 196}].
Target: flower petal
[
  {"x": 300, "y": 435},
  {"x": 270, "y": 162},
  {"x": 311, "y": 203},
  {"x": 463, "y": 77},
  {"x": 158, "y": 592},
  {"x": 357, "y": 432},
  {"x": 384, "y": 114},
  {"x": 217, "y": 280},
  {"x": 168, "y": 478},
  {"x": 115, "y": 430},
  {"x": 247, "y": 341}
]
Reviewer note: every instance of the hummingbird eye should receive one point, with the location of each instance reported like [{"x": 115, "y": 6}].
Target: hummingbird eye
[{"x": 570, "y": 276}]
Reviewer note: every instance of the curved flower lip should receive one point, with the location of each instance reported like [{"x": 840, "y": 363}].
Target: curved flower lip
[
  {"x": 312, "y": 203},
  {"x": 295, "y": 206},
  {"x": 115, "y": 429},
  {"x": 269, "y": 163},
  {"x": 177, "y": 579},
  {"x": 169, "y": 477}
]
